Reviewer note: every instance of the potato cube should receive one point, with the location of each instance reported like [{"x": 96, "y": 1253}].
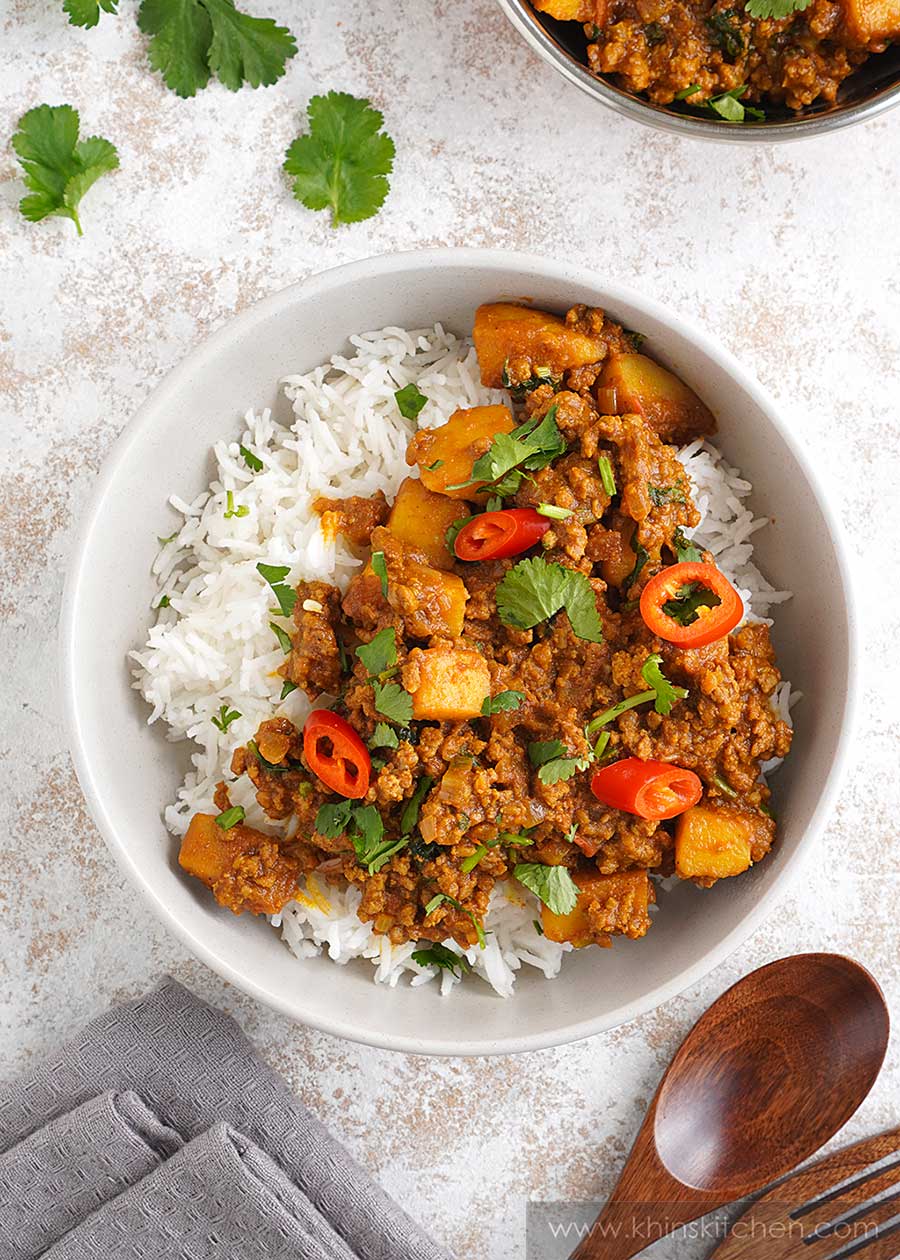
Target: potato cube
[
  {"x": 504, "y": 331},
  {"x": 621, "y": 905},
  {"x": 712, "y": 842},
  {"x": 421, "y": 518},
  {"x": 644, "y": 388},
  {"x": 455, "y": 446},
  {"x": 871, "y": 21},
  {"x": 567, "y": 10},
  {"x": 430, "y": 601},
  {"x": 447, "y": 684}
]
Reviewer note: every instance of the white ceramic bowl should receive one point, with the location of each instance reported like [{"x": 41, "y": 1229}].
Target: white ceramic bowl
[{"x": 129, "y": 772}]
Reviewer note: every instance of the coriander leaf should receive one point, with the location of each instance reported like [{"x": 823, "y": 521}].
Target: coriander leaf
[
  {"x": 545, "y": 437},
  {"x": 660, "y": 495},
  {"x": 438, "y": 955},
  {"x": 231, "y": 510},
  {"x": 332, "y": 820},
  {"x": 552, "y": 884},
  {"x": 775, "y": 8},
  {"x": 164, "y": 542},
  {"x": 438, "y": 463},
  {"x": 441, "y": 897},
  {"x": 230, "y": 818},
  {"x": 59, "y": 168},
  {"x": 410, "y": 816},
  {"x": 666, "y": 692},
  {"x": 685, "y": 551},
  {"x": 379, "y": 568},
  {"x": 685, "y": 604},
  {"x": 531, "y": 446},
  {"x": 253, "y": 462},
  {"x": 502, "y": 702},
  {"x": 380, "y": 653},
  {"x": 384, "y": 736},
  {"x": 368, "y": 828},
  {"x": 727, "y": 107},
  {"x": 392, "y": 702},
  {"x": 606, "y": 475},
  {"x": 191, "y": 39},
  {"x": 562, "y": 768},
  {"x": 453, "y": 529},
  {"x": 225, "y": 718},
  {"x": 641, "y": 556},
  {"x": 164, "y": 602},
  {"x": 87, "y": 12},
  {"x": 246, "y": 49},
  {"x": 286, "y": 688},
  {"x": 379, "y": 854},
  {"x": 344, "y": 161},
  {"x": 180, "y": 37},
  {"x": 410, "y": 401},
  {"x": 274, "y": 575},
  {"x": 542, "y": 751},
  {"x": 284, "y": 639},
  {"x": 535, "y": 589}
]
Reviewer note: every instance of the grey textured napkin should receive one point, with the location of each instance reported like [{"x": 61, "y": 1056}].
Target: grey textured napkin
[{"x": 198, "y": 1082}]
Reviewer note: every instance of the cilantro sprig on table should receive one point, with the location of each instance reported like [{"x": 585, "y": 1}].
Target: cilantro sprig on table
[
  {"x": 87, "y": 12},
  {"x": 342, "y": 164},
  {"x": 535, "y": 589},
  {"x": 59, "y": 168}
]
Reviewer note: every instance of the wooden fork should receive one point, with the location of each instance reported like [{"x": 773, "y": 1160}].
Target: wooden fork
[{"x": 842, "y": 1207}]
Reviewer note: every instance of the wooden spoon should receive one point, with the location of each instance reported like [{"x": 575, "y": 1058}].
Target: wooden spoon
[{"x": 766, "y": 1076}]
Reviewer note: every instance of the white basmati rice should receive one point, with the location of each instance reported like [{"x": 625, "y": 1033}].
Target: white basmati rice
[{"x": 212, "y": 650}]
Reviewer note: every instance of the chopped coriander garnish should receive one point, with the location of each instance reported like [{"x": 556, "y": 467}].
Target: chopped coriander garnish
[
  {"x": 410, "y": 816},
  {"x": 515, "y": 840},
  {"x": 441, "y": 897},
  {"x": 552, "y": 763},
  {"x": 410, "y": 401},
  {"x": 453, "y": 529},
  {"x": 607, "y": 476},
  {"x": 275, "y": 575},
  {"x": 392, "y": 702},
  {"x": 555, "y": 513},
  {"x": 662, "y": 693},
  {"x": 691, "y": 90},
  {"x": 438, "y": 463},
  {"x": 641, "y": 556},
  {"x": 552, "y": 884},
  {"x": 270, "y": 767},
  {"x": 164, "y": 542},
  {"x": 253, "y": 462},
  {"x": 380, "y": 653},
  {"x": 502, "y": 702},
  {"x": 379, "y": 568},
  {"x": 660, "y": 495},
  {"x": 723, "y": 785},
  {"x": 535, "y": 589},
  {"x": 775, "y": 8},
  {"x": 231, "y": 510},
  {"x": 284, "y": 639},
  {"x": 536, "y": 923},
  {"x": 332, "y": 820},
  {"x": 685, "y": 551},
  {"x": 600, "y": 747},
  {"x": 438, "y": 955},
  {"x": 384, "y": 736},
  {"x": 287, "y": 687},
  {"x": 230, "y": 818},
  {"x": 344, "y": 160},
  {"x": 163, "y": 602},
  {"x": 225, "y": 718},
  {"x": 726, "y": 32},
  {"x": 727, "y": 105},
  {"x": 494, "y": 503},
  {"x": 685, "y": 604},
  {"x": 468, "y": 864}
]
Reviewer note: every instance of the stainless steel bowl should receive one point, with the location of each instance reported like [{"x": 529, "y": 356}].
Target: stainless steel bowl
[{"x": 874, "y": 88}]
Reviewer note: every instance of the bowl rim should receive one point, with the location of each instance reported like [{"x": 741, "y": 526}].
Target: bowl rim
[
  {"x": 522, "y": 17},
  {"x": 228, "y": 336}
]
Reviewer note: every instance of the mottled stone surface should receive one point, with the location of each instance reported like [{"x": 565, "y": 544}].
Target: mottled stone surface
[{"x": 792, "y": 256}]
